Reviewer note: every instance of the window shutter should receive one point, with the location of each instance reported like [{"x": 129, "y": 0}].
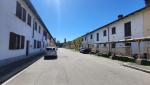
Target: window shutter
[
  {"x": 18, "y": 10},
  {"x": 29, "y": 20},
  {"x": 114, "y": 30},
  {"x": 11, "y": 40},
  {"x": 34, "y": 43},
  {"x": 24, "y": 15},
  {"x": 22, "y": 42},
  {"x": 97, "y": 36},
  {"x": 127, "y": 29},
  {"x": 17, "y": 41},
  {"x": 35, "y": 25}
]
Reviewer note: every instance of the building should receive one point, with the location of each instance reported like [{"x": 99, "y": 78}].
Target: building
[
  {"x": 123, "y": 36},
  {"x": 77, "y": 43},
  {"x": 23, "y": 33}
]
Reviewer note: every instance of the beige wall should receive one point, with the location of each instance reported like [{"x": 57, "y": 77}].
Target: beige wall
[
  {"x": 147, "y": 22},
  {"x": 147, "y": 29}
]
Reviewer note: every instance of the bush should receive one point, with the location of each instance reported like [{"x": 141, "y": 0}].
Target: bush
[
  {"x": 145, "y": 62},
  {"x": 105, "y": 55},
  {"x": 120, "y": 58},
  {"x": 123, "y": 58},
  {"x": 99, "y": 54}
]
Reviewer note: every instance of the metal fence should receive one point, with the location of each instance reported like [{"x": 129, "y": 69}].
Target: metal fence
[
  {"x": 129, "y": 51},
  {"x": 103, "y": 50},
  {"x": 148, "y": 53},
  {"x": 122, "y": 51}
]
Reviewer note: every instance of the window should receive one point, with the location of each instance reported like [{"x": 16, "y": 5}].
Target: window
[
  {"x": 114, "y": 30},
  {"x": 43, "y": 45},
  {"x": 38, "y": 44},
  {"x": 113, "y": 45},
  {"x": 105, "y": 33},
  {"x": 127, "y": 44},
  {"x": 88, "y": 45},
  {"x": 97, "y": 46},
  {"x": 24, "y": 15},
  {"x": 34, "y": 43},
  {"x": 45, "y": 34},
  {"x": 46, "y": 37},
  {"x": 105, "y": 45},
  {"x": 35, "y": 27},
  {"x": 39, "y": 29},
  {"x": 12, "y": 41},
  {"x": 97, "y": 38},
  {"x": 127, "y": 29},
  {"x": 19, "y": 10},
  {"x": 29, "y": 20},
  {"x": 16, "y": 41},
  {"x": 85, "y": 38},
  {"x": 91, "y": 36},
  {"x": 22, "y": 42}
]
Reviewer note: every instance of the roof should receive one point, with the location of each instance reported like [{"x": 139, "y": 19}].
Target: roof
[
  {"x": 119, "y": 19},
  {"x": 29, "y": 4}
]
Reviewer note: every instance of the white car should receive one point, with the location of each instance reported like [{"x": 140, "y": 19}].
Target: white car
[{"x": 50, "y": 53}]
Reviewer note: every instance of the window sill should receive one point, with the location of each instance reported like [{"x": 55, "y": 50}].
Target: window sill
[{"x": 127, "y": 37}]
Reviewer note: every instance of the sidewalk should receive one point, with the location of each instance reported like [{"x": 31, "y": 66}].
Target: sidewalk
[
  {"x": 138, "y": 67},
  {"x": 10, "y": 70}
]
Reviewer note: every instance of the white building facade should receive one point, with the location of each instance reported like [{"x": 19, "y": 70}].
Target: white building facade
[
  {"x": 22, "y": 31},
  {"x": 108, "y": 38}
]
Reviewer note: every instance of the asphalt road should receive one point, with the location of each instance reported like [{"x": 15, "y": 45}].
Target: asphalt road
[{"x": 73, "y": 68}]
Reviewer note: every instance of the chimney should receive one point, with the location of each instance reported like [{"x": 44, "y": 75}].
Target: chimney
[
  {"x": 120, "y": 16},
  {"x": 147, "y": 3}
]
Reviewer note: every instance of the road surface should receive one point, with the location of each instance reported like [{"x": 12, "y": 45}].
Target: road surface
[{"x": 73, "y": 68}]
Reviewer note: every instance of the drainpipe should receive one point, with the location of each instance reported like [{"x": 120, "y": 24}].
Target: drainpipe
[
  {"x": 139, "y": 49},
  {"x": 138, "y": 60},
  {"x": 33, "y": 27},
  {"x": 100, "y": 48}
]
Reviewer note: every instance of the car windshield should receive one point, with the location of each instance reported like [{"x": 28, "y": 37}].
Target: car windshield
[{"x": 49, "y": 49}]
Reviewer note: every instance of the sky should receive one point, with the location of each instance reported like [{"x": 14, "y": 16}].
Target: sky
[{"x": 73, "y": 18}]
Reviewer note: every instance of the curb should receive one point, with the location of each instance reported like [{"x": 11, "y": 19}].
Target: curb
[{"x": 137, "y": 68}]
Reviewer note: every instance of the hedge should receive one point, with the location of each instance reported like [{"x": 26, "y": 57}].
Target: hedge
[
  {"x": 123, "y": 58},
  {"x": 145, "y": 62}
]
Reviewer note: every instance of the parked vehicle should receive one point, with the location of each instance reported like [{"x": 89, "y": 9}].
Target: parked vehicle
[
  {"x": 81, "y": 50},
  {"x": 85, "y": 50},
  {"x": 50, "y": 53}
]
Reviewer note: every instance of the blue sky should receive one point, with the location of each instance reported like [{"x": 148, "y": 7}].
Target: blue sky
[{"x": 73, "y": 18}]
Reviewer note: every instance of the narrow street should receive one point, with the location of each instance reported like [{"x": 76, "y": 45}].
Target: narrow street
[{"x": 73, "y": 68}]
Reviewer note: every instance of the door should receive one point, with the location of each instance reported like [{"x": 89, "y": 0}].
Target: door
[
  {"x": 127, "y": 29},
  {"x": 27, "y": 48},
  {"x": 128, "y": 49}
]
